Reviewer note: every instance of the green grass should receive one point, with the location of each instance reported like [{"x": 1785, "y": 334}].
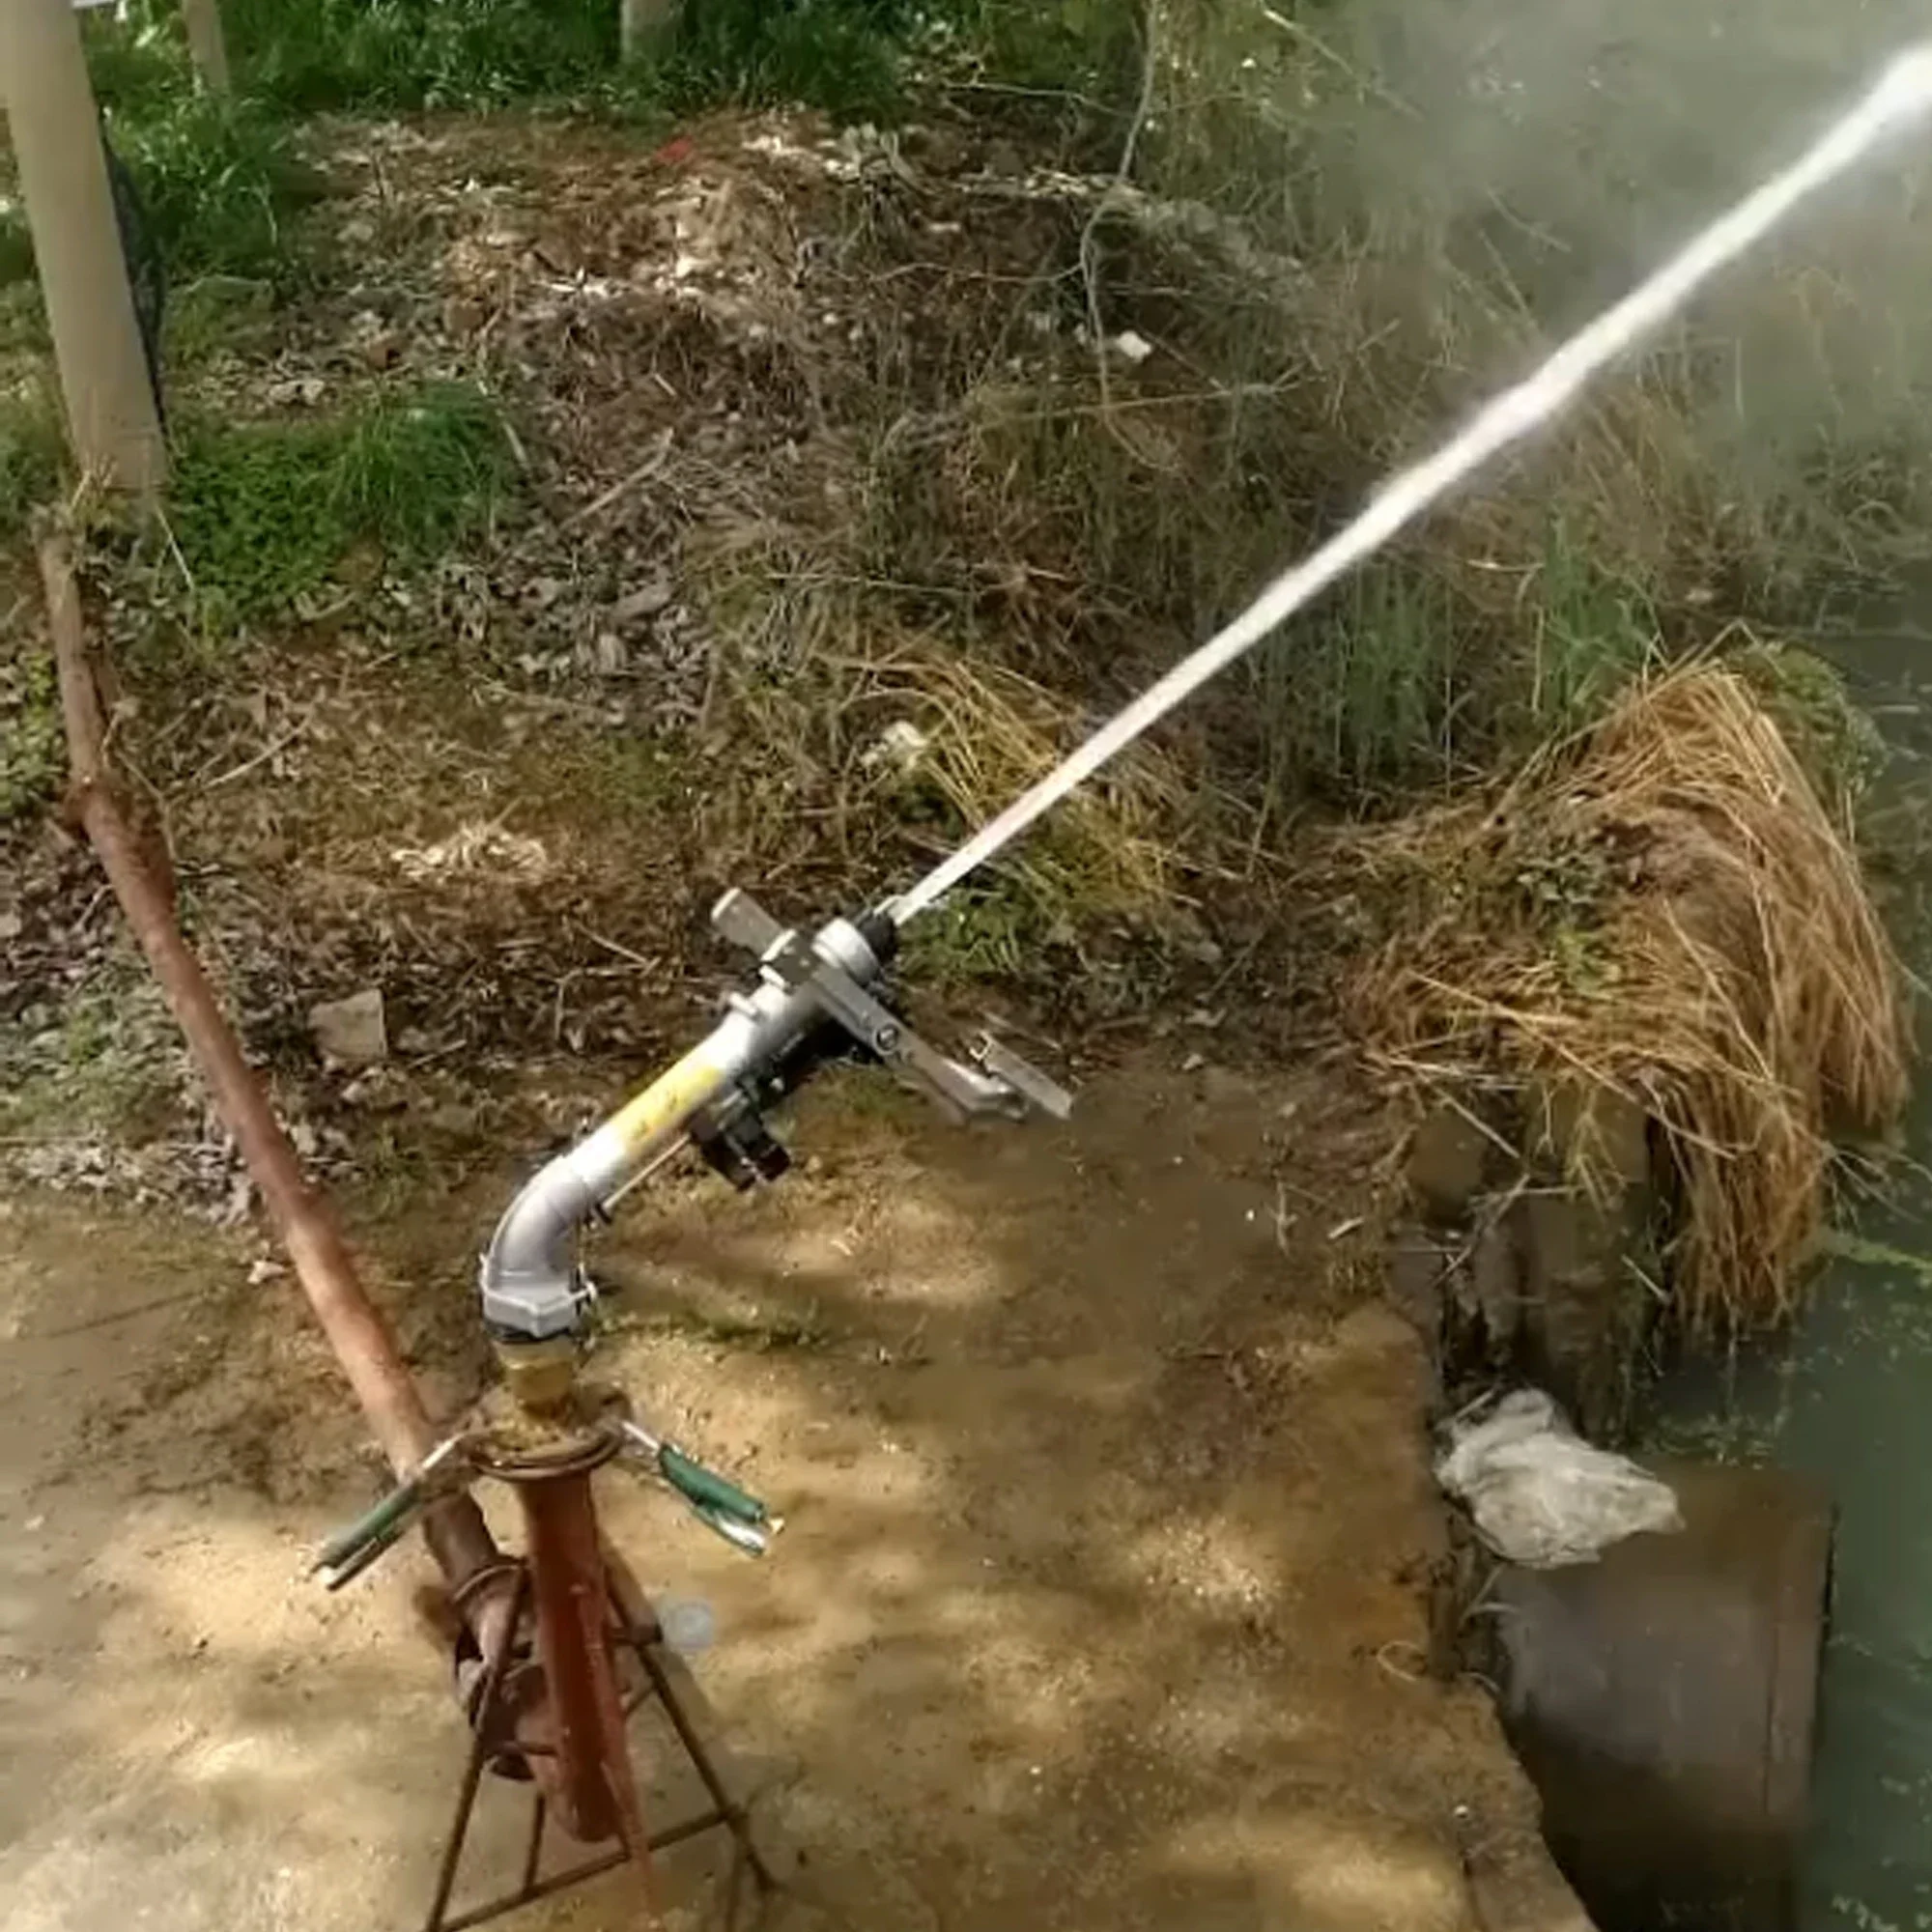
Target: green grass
[
  {"x": 33, "y": 449},
  {"x": 16, "y": 245},
  {"x": 100, "y": 1060},
  {"x": 220, "y": 182},
  {"x": 141, "y": 64},
  {"x": 1594, "y": 632},
  {"x": 31, "y": 754},
  {"x": 841, "y": 55},
  {"x": 848, "y": 57},
  {"x": 338, "y": 54},
  {"x": 1362, "y": 696},
  {"x": 219, "y": 186},
  {"x": 265, "y": 513},
  {"x": 977, "y": 933},
  {"x": 1399, "y": 681},
  {"x": 1837, "y": 741}
]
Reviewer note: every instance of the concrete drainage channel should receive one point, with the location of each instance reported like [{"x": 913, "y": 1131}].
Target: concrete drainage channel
[{"x": 1662, "y": 1698}]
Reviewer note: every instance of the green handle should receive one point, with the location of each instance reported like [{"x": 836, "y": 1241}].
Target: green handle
[
  {"x": 704, "y": 1489},
  {"x": 383, "y": 1523},
  {"x": 358, "y": 1560}
]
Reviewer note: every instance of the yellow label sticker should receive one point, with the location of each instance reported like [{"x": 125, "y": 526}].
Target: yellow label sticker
[{"x": 669, "y": 1101}]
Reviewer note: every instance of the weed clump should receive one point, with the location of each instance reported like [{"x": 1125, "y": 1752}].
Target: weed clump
[
  {"x": 1662, "y": 908},
  {"x": 218, "y": 183},
  {"x": 263, "y": 513}
]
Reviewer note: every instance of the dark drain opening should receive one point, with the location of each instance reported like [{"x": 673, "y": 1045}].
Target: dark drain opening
[{"x": 1663, "y": 1700}]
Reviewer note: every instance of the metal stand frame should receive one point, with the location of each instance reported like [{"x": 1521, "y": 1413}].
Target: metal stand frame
[{"x": 494, "y": 1717}]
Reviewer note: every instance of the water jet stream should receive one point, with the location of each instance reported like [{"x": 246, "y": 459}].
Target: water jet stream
[{"x": 1901, "y": 96}]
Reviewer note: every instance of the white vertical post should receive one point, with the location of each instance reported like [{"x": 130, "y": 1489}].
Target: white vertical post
[
  {"x": 642, "y": 24},
  {"x": 56, "y": 134},
  {"x": 207, "y": 43}
]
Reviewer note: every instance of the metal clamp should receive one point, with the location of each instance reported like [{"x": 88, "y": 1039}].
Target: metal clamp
[{"x": 999, "y": 1083}]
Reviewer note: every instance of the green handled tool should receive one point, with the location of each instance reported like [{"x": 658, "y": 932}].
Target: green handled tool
[
  {"x": 350, "y": 1550},
  {"x": 737, "y": 1516}
]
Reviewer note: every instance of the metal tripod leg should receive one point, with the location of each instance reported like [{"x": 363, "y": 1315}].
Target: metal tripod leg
[
  {"x": 636, "y": 1634},
  {"x": 487, "y": 1705},
  {"x": 725, "y": 1809}
]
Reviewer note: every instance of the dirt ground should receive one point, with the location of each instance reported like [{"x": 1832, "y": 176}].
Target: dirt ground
[{"x": 1104, "y": 1598}]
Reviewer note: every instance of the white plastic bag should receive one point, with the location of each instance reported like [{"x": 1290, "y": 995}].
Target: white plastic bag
[{"x": 1539, "y": 1493}]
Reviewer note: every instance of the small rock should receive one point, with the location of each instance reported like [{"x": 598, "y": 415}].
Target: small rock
[
  {"x": 351, "y": 1031},
  {"x": 646, "y": 601},
  {"x": 11, "y": 926},
  {"x": 1130, "y": 345},
  {"x": 463, "y": 315},
  {"x": 607, "y": 656}
]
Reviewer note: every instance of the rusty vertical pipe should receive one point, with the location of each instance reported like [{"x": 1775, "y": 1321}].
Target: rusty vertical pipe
[
  {"x": 571, "y": 1598},
  {"x": 455, "y": 1530}
]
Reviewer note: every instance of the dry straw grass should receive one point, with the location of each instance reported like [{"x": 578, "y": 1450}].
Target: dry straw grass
[
  {"x": 991, "y": 733},
  {"x": 1665, "y": 910}
]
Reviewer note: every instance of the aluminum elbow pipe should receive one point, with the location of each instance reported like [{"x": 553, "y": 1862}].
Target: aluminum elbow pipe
[{"x": 532, "y": 1286}]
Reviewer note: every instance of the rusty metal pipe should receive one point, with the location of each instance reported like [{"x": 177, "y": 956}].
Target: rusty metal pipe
[
  {"x": 593, "y": 1794},
  {"x": 360, "y": 1338}
]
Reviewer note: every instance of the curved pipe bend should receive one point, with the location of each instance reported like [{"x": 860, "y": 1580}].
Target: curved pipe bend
[{"x": 530, "y": 1283}]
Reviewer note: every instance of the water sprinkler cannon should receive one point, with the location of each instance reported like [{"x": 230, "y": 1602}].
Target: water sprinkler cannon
[
  {"x": 815, "y": 999},
  {"x": 552, "y": 1704}
]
